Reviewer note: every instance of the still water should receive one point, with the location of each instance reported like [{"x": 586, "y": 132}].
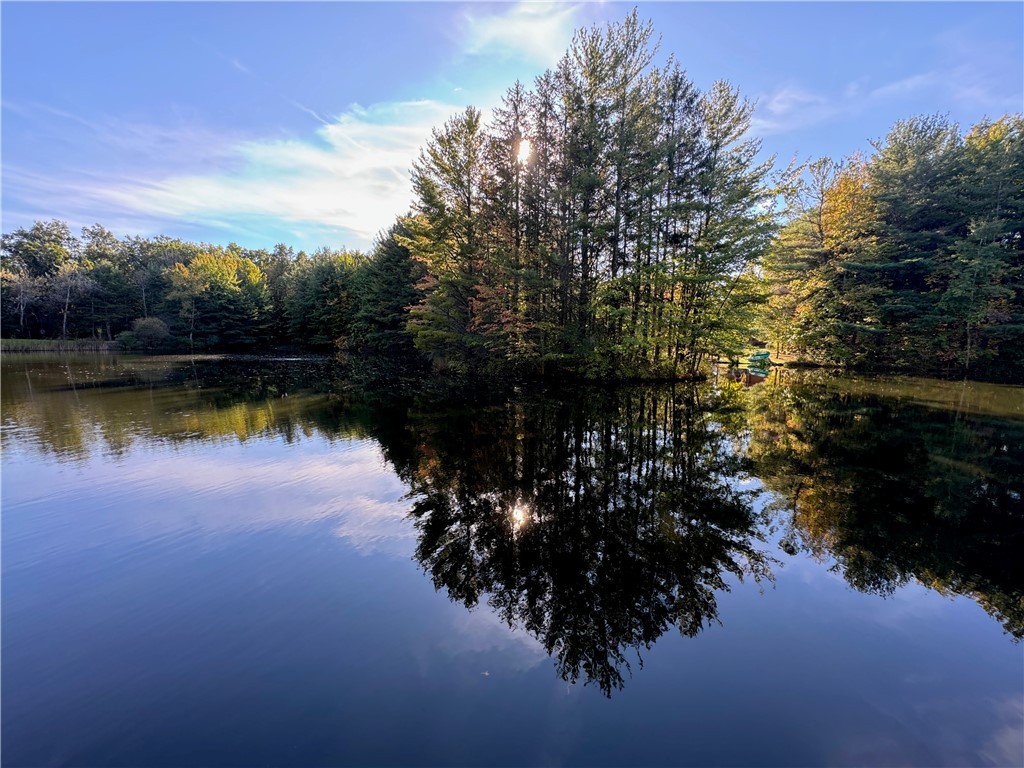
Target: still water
[{"x": 241, "y": 562}]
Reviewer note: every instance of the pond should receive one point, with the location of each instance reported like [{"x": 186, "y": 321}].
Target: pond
[{"x": 239, "y": 562}]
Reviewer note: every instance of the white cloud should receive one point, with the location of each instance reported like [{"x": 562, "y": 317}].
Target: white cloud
[
  {"x": 540, "y": 32},
  {"x": 351, "y": 179},
  {"x": 789, "y": 108},
  {"x": 905, "y": 86},
  {"x": 345, "y": 183},
  {"x": 788, "y": 100}
]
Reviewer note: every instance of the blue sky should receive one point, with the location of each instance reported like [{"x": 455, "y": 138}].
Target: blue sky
[{"x": 296, "y": 122}]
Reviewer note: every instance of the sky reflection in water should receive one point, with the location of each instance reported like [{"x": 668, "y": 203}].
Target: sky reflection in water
[{"x": 235, "y": 562}]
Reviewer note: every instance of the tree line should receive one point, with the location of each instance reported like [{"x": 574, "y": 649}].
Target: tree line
[
  {"x": 164, "y": 294},
  {"x": 911, "y": 258},
  {"x": 612, "y": 221}
]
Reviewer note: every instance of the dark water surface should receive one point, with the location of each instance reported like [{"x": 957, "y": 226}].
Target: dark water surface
[{"x": 256, "y": 563}]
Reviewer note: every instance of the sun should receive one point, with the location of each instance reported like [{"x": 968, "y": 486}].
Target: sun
[{"x": 524, "y": 151}]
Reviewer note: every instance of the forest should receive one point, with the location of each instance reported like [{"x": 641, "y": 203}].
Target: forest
[{"x": 613, "y": 221}]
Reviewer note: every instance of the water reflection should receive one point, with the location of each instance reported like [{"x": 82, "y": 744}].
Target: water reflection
[
  {"x": 595, "y": 521},
  {"x": 74, "y": 406},
  {"x": 894, "y": 480}
]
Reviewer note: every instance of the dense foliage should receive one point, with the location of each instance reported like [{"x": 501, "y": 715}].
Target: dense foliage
[
  {"x": 912, "y": 258},
  {"x": 604, "y": 222},
  {"x": 164, "y": 295}
]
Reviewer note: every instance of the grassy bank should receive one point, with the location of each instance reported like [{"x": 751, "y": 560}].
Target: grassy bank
[{"x": 56, "y": 345}]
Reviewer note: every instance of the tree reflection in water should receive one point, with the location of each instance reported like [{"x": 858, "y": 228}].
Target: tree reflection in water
[
  {"x": 896, "y": 480},
  {"x": 595, "y": 521}
]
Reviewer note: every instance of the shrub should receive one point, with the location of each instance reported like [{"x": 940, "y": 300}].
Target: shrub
[{"x": 149, "y": 334}]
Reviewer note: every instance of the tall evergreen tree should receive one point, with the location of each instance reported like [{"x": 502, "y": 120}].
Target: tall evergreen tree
[{"x": 446, "y": 236}]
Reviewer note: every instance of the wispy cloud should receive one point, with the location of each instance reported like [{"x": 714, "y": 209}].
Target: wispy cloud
[
  {"x": 348, "y": 181},
  {"x": 342, "y": 183},
  {"x": 540, "y": 32},
  {"x": 789, "y": 99},
  {"x": 238, "y": 66},
  {"x": 1005, "y": 744},
  {"x": 98, "y": 153},
  {"x": 794, "y": 108},
  {"x": 232, "y": 61},
  {"x": 905, "y": 86},
  {"x": 312, "y": 113},
  {"x": 353, "y": 177},
  {"x": 959, "y": 73},
  {"x": 485, "y": 633},
  {"x": 125, "y": 142},
  {"x": 973, "y": 56},
  {"x": 790, "y": 108}
]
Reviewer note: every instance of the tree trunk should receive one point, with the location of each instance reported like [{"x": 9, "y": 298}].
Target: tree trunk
[{"x": 67, "y": 304}]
